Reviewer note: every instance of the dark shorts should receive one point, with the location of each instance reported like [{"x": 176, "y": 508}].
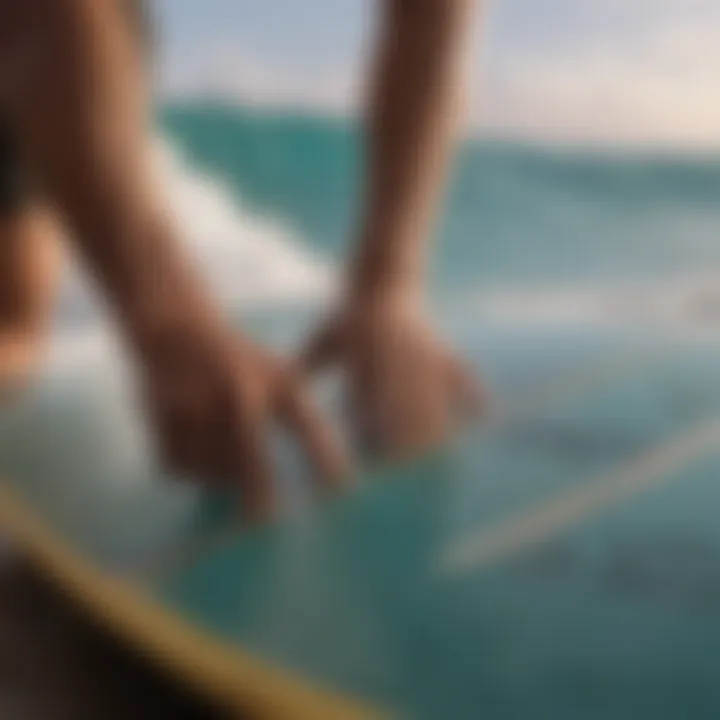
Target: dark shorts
[{"x": 14, "y": 181}]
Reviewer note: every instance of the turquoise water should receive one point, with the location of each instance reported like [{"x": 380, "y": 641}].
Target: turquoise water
[
  {"x": 529, "y": 236},
  {"x": 514, "y": 214},
  {"x": 609, "y": 611},
  {"x": 583, "y": 286}
]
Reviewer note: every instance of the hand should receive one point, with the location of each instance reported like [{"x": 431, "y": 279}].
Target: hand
[
  {"x": 407, "y": 392},
  {"x": 211, "y": 400}
]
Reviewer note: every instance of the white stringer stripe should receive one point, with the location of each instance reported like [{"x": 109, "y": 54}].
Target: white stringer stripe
[{"x": 570, "y": 507}]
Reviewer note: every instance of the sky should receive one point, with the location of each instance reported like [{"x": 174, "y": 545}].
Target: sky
[{"x": 639, "y": 71}]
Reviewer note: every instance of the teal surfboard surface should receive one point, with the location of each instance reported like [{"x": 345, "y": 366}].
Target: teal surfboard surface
[{"x": 560, "y": 561}]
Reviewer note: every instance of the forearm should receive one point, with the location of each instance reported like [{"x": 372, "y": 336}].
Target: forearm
[
  {"x": 411, "y": 122},
  {"x": 77, "y": 104}
]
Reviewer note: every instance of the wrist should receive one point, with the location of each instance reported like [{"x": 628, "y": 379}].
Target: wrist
[
  {"x": 385, "y": 298},
  {"x": 378, "y": 288},
  {"x": 156, "y": 296},
  {"x": 156, "y": 332},
  {"x": 386, "y": 269}
]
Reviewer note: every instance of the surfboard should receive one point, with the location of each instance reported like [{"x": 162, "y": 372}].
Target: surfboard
[{"x": 561, "y": 560}]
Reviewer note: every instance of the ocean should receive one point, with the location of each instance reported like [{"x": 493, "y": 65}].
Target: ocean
[
  {"x": 583, "y": 285},
  {"x": 530, "y": 235},
  {"x": 552, "y": 266},
  {"x": 530, "y": 232}
]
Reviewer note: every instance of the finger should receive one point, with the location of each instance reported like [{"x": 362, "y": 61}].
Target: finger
[
  {"x": 186, "y": 427},
  {"x": 253, "y": 470},
  {"x": 406, "y": 409},
  {"x": 369, "y": 405},
  {"x": 423, "y": 411},
  {"x": 325, "y": 450},
  {"x": 177, "y": 432},
  {"x": 467, "y": 393},
  {"x": 249, "y": 462},
  {"x": 422, "y": 422},
  {"x": 321, "y": 350},
  {"x": 364, "y": 434},
  {"x": 183, "y": 448}
]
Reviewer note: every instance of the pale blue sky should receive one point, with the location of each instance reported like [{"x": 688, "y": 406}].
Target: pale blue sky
[{"x": 568, "y": 69}]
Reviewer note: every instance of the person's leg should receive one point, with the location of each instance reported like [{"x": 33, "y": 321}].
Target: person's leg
[{"x": 29, "y": 261}]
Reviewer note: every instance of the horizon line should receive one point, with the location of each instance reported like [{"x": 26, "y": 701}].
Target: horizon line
[{"x": 474, "y": 130}]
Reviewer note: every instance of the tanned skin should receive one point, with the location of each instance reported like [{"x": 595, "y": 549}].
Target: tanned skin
[
  {"x": 72, "y": 86},
  {"x": 29, "y": 263},
  {"x": 407, "y": 391}
]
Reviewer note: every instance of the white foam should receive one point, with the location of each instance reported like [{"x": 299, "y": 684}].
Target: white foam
[
  {"x": 253, "y": 261},
  {"x": 689, "y": 303},
  {"x": 249, "y": 261}
]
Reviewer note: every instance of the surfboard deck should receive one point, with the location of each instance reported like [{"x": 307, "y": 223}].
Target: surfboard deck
[{"x": 562, "y": 561}]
